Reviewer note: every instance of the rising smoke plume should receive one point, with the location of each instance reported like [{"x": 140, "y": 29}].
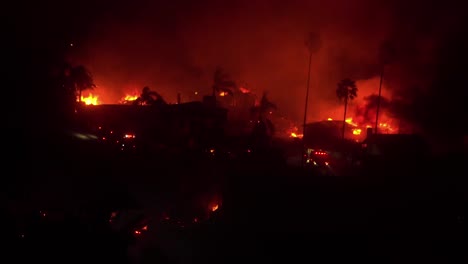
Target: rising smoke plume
[{"x": 174, "y": 47}]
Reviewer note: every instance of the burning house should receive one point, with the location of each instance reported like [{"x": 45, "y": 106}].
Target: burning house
[{"x": 188, "y": 125}]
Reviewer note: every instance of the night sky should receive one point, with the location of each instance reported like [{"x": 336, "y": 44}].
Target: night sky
[{"x": 174, "y": 46}]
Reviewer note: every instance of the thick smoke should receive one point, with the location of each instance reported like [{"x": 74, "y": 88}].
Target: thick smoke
[{"x": 175, "y": 47}]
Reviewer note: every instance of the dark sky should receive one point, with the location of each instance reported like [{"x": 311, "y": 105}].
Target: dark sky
[{"x": 174, "y": 46}]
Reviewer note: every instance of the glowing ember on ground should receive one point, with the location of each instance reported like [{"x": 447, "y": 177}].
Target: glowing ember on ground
[
  {"x": 214, "y": 207},
  {"x": 329, "y": 119},
  {"x": 223, "y": 93},
  {"x": 90, "y": 99}
]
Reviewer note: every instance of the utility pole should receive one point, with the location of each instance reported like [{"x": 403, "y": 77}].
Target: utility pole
[
  {"x": 344, "y": 118},
  {"x": 303, "y": 152},
  {"x": 387, "y": 53},
  {"x": 378, "y": 100},
  {"x": 313, "y": 44}
]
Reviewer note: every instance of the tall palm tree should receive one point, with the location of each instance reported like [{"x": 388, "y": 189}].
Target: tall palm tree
[
  {"x": 222, "y": 83},
  {"x": 149, "y": 97},
  {"x": 346, "y": 91},
  {"x": 313, "y": 44}
]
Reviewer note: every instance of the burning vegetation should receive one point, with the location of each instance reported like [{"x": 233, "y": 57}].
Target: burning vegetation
[{"x": 361, "y": 114}]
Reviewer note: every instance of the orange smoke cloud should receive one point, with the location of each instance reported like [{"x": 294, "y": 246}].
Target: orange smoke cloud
[{"x": 262, "y": 44}]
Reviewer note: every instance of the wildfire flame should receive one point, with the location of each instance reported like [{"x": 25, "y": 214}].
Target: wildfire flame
[
  {"x": 223, "y": 93},
  {"x": 294, "y": 135},
  {"x": 130, "y": 97},
  {"x": 90, "y": 99},
  {"x": 349, "y": 120},
  {"x": 383, "y": 127}
]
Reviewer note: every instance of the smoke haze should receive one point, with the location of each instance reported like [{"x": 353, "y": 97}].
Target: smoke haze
[{"x": 174, "y": 47}]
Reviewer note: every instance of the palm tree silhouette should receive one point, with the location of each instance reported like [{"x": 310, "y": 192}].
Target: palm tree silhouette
[
  {"x": 149, "y": 97},
  {"x": 313, "y": 44},
  {"x": 222, "y": 83},
  {"x": 346, "y": 91}
]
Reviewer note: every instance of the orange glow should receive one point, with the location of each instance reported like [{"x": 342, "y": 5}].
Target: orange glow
[
  {"x": 90, "y": 99},
  {"x": 349, "y": 120},
  {"x": 128, "y": 98},
  {"x": 320, "y": 153},
  {"x": 129, "y": 136},
  {"x": 357, "y": 131},
  {"x": 214, "y": 207},
  {"x": 294, "y": 135},
  {"x": 361, "y": 112},
  {"x": 244, "y": 90},
  {"x": 223, "y": 93},
  {"x": 387, "y": 128}
]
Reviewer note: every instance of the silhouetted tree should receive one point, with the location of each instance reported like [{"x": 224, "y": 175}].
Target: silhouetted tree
[
  {"x": 346, "y": 91},
  {"x": 149, "y": 97},
  {"x": 65, "y": 94},
  {"x": 80, "y": 79},
  {"x": 263, "y": 125},
  {"x": 222, "y": 83}
]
